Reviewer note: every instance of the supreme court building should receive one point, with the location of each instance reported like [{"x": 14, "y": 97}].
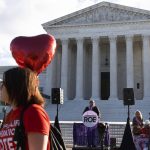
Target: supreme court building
[{"x": 101, "y": 50}]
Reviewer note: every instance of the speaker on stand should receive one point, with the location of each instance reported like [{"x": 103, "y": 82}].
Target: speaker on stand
[
  {"x": 127, "y": 140},
  {"x": 128, "y": 98},
  {"x": 57, "y": 96}
]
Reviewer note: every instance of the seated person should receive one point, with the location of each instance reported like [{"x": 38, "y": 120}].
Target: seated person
[
  {"x": 140, "y": 132},
  {"x": 137, "y": 123}
]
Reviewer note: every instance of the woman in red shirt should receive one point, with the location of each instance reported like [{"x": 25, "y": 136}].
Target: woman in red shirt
[{"x": 19, "y": 88}]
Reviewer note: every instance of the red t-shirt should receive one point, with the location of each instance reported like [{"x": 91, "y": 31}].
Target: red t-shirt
[{"x": 35, "y": 120}]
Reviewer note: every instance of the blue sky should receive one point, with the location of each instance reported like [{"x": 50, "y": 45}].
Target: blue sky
[{"x": 24, "y": 18}]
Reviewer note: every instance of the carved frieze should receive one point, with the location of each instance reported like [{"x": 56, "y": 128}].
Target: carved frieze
[{"x": 104, "y": 14}]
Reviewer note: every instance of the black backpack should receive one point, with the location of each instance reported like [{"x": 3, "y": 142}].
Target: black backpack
[
  {"x": 55, "y": 136},
  {"x": 56, "y": 140}
]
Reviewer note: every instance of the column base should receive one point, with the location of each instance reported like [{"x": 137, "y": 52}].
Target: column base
[
  {"x": 78, "y": 99},
  {"x": 112, "y": 98},
  {"x": 95, "y": 98},
  {"x": 66, "y": 99},
  {"x": 146, "y": 98}
]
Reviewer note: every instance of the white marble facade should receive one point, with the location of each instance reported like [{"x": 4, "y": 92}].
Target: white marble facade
[{"x": 101, "y": 50}]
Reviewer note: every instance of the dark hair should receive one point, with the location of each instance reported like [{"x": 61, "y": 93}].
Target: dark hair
[{"x": 22, "y": 86}]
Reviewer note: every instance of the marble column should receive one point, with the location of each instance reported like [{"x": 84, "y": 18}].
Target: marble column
[
  {"x": 49, "y": 76},
  {"x": 113, "y": 68},
  {"x": 129, "y": 61},
  {"x": 64, "y": 67},
  {"x": 95, "y": 68},
  {"x": 79, "y": 70},
  {"x": 146, "y": 67}
]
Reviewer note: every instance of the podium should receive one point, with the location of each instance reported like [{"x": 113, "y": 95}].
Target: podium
[{"x": 82, "y": 135}]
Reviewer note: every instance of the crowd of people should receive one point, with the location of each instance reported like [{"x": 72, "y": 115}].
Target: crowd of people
[
  {"x": 19, "y": 89},
  {"x": 140, "y": 129}
]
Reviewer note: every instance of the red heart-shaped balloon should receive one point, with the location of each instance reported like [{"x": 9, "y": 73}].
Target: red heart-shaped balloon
[{"x": 34, "y": 52}]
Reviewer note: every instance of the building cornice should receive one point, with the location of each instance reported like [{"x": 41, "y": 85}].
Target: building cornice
[
  {"x": 96, "y": 6},
  {"x": 101, "y": 29},
  {"x": 116, "y": 23}
]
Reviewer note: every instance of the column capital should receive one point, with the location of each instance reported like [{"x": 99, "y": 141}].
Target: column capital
[
  {"x": 144, "y": 36},
  {"x": 129, "y": 37},
  {"x": 93, "y": 38},
  {"x": 64, "y": 40},
  {"x": 112, "y": 38},
  {"x": 79, "y": 39}
]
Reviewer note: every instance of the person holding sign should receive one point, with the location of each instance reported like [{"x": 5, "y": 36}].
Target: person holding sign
[{"x": 91, "y": 115}]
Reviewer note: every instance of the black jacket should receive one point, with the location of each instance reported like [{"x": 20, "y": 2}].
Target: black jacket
[{"x": 95, "y": 109}]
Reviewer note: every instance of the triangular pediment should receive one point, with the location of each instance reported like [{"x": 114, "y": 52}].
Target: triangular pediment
[{"x": 101, "y": 13}]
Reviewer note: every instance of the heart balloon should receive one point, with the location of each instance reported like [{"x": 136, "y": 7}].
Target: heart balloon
[{"x": 34, "y": 52}]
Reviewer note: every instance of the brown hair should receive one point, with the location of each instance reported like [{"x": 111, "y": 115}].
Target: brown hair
[{"x": 22, "y": 86}]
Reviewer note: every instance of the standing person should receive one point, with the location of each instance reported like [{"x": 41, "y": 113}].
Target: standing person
[
  {"x": 91, "y": 131},
  {"x": 19, "y": 88},
  {"x": 92, "y": 106}
]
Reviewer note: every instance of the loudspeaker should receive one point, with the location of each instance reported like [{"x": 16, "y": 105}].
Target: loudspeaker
[
  {"x": 57, "y": 96},
  {"x": 128, "y": 96}
]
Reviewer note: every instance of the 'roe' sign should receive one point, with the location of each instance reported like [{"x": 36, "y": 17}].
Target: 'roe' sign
[{"x": 90, "y": 118}]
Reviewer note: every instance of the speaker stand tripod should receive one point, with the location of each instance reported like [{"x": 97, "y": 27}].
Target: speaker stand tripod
[
  {"x": 128, "y": 119},
  {"x": 127, "y": 140},
  {"x": 57, "y": 110},
  {"x": 56, "y": 123}
]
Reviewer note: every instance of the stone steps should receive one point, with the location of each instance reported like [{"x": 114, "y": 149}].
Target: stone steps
[
  {"x": 116, "y": 130},
  {"x": 113, "y": 110}
]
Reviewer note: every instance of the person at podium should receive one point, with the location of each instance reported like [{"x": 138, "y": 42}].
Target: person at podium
[
  {"x": 91, "y": 130},
  {"x": 92, "y": 106}
]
